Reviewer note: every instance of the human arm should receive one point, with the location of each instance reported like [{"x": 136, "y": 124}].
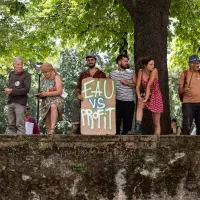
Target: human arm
[
  {"x": 153, "y": 76},
  {"x": 132, "y": 84},
  {"x": 181, "y": 84},
  {"x": 138, "y": 84},
  {"x": 78, "y": 87}
]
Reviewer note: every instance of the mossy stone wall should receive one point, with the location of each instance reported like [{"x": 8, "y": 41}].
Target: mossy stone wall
[{"x": 65, "y": 167}]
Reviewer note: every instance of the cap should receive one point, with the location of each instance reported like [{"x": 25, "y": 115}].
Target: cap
[
  {"x": 91, "y": 56},
  {"x": 193, "y": 58}
]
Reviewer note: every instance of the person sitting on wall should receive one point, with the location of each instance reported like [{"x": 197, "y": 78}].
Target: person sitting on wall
[
  {"x": 92, "y": 72},
  {"x": 28, "y": 118},
  {"x": 52, "y": 105}
]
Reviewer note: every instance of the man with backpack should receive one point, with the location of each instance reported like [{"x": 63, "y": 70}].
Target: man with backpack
[{"x": 189, "y": 93}]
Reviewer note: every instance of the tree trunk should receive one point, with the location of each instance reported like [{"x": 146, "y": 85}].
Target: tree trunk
[{"x": 150, "y": 18}]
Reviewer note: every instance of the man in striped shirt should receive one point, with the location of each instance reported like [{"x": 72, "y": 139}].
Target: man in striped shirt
[{"x": 125, "y": 82}]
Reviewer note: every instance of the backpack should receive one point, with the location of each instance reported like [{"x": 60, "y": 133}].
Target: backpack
[{"x": 185, "y": 77}]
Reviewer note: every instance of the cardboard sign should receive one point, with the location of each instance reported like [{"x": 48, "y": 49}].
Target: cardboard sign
[{"x": 98, "y": 106}]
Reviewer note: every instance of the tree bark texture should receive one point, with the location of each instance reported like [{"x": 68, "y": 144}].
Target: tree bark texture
[{"x": 150, "y": 18}]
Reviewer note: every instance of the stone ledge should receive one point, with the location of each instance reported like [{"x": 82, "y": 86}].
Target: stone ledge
[{"x": 65, "y": 167}]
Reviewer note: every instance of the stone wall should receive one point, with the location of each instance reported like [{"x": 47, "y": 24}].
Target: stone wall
[{"x": 99, "y": 167}]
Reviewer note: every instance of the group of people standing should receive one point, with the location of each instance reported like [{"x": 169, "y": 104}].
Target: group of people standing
[
  {"x": 147, "y": 91},
  {"x": 52, "y": 106},
  {"x": 126, "y": 80}
]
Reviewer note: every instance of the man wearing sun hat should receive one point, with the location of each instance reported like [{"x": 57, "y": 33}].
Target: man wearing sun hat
[{"x": 189, "y": 87}]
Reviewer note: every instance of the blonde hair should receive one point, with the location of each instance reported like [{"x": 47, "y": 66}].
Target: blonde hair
[{"x": 47, "y": 67}]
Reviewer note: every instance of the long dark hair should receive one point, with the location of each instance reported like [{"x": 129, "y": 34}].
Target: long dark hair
[{"x": 143, "y": 61}]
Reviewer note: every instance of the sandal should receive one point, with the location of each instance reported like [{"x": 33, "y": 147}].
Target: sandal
[{"x": 51, "y": 131}]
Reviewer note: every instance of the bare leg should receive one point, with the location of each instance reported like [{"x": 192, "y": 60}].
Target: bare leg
[
  {"x": 139, "y": 114},
  {"x": 48, "y": 121},
  {"x": 156, "y": 121},
  {"x": 54, "y": 115}
]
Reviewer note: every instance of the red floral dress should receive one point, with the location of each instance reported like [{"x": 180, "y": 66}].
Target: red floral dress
[{"x": 155, "y": 104}]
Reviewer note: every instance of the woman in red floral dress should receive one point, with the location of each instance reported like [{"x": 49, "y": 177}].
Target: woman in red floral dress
[{"x": 152, "y": 98}]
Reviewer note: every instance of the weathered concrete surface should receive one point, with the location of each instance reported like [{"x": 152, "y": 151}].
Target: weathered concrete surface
[{"x": 99, "y": 167}]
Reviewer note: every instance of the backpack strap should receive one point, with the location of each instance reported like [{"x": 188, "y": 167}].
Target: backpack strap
[{"x": 185, "y": 76}]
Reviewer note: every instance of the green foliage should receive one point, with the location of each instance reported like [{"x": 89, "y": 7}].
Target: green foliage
[
  {"x": 175, "y": 104},
  {"x": 34, "y": 28},
  {"x": 3, "y": 108},
  {"x": 185, "y": 26},
  {"x": 18, "y": 35}
]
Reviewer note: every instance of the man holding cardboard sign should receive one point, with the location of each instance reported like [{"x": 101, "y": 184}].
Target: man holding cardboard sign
[{"x": 92, "y": 72}]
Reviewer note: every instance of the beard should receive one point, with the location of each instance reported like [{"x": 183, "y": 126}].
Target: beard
[
  {"x": 124, "y": 66},
  {"x": 91, "y": 66}
]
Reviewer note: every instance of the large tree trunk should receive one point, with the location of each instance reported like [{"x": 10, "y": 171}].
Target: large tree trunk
[{"x": 150, "y": 18}]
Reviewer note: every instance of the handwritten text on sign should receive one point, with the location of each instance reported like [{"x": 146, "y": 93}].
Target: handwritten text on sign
[{"x": 98, "y": 107}]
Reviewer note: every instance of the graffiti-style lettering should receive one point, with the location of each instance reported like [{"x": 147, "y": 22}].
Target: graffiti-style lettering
[
  {"x": 95, "y": 117},
  {"x": 112, "y": 91},
  {"x": 86, "y": 88},
  {"x": 101, "y": 104},
  {"x": 89, "y": 93},
  {"x": 98, "y": 91},
  {"x": 98, "y": 106},
  {"x": 97, "y": 103}
]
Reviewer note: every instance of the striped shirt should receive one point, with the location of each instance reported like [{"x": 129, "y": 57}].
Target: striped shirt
[{"x": 123, "y": 92}]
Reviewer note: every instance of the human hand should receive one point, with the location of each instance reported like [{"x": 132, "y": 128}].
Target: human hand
[
  {"x": 144, "y": 100},
  {"x": 80, "y": 97},
  {"x": 186, "y": 89},
  {"x": 42, "y": 94},
  {"x": 124, "y": 82},
  {"x": 39, "y": 95},
  {"x": 8, "y": 90},
  {"x": 141, "y": 98}
]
